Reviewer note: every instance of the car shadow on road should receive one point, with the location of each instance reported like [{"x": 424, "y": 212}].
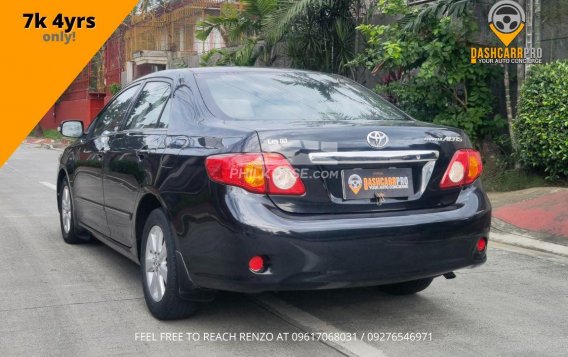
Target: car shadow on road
[
  {"x": 125, "y": 275},
  {"x": 368, "y": 306},
  {"x": 347, "y": 297},
  {"x": 359, "y": 304}
]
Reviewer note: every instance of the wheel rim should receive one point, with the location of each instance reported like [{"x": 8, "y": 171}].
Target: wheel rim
[
  {"x": 156, "y": 263},
  {"x": 66, "y": 212}
]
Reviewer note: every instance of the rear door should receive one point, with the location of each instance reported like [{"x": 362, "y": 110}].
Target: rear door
[
  {"x": 132, "y": 160},
  {"x": 346, "y": 170}
]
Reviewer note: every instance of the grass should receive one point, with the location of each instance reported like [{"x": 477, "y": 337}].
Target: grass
[
  {"x": 52, "y": 134},
  {"x": 514, "y": 180},
  {"x": 47, "y": 134},
  {"x": 499, "y": 174}
]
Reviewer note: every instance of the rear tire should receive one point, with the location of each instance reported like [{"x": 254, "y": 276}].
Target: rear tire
[
  {"x": 158, "y": 270},
  {"x": 407, "y": 288},
  {"x": 71, "y": 232}
]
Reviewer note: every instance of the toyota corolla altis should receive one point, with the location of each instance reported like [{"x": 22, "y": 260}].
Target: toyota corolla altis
[{"x": 255, "y": 180}]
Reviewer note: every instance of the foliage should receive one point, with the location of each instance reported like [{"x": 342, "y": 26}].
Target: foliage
[
  {"x": 241, "y": 26},
  {"x": 514, "y": 180},
  {"x": 145, "y": 6},
  {"x": 423, "y": 60},
  {"x": 320, "y": 34},
  {"x": 541, "y": 128},
  {"x": 244, "y": 55},
  {"x": 52, "y": 134},
  {"x": 114, "y": 88},
  {"x": 454, "y": 9}
]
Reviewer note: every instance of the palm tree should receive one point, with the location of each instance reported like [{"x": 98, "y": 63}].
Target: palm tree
[
  {"x": 147, "y": 6},
  {"x": 320, "y": 34},
  {"x": 437, "y": 10},
  {"x": 242, "y": 28}
]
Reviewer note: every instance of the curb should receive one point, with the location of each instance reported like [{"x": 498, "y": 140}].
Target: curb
[
  {"x": 504, "y": 237},
  {"x": 43, "y": 146}
]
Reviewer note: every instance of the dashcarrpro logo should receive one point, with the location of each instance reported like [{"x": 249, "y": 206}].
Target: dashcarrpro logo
[
  {"x": 355, "y": 182},
  {"x": 507, "y": 20}
]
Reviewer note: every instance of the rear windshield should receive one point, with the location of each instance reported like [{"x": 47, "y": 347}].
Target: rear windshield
[{"x": 292, "y": 96}]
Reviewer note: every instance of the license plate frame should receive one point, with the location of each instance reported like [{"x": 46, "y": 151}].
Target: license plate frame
[{"x": 368, "y": 183}]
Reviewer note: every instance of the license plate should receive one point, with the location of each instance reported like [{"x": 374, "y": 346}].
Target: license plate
[{"x": 369, "y": 183}]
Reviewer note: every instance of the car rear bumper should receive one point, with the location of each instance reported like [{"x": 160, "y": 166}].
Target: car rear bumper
[{"x": 330, "y": 251}]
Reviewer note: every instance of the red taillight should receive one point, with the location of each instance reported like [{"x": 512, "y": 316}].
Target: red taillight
[
  {"x": 256, "y": 264},
  {"x": 481, "y": 245},
  {"x": 267, "y": 173},
  {"x": 242, "y": 170},
  {"x": 282, "y": 179},
  {"x": 464, "y": 168}
]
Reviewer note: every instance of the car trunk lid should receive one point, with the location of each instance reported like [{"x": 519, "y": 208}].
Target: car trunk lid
[{"x": 344, "y": 173}]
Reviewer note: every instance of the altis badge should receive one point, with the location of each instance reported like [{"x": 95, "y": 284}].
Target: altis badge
[{"x": 445, "y": 139}]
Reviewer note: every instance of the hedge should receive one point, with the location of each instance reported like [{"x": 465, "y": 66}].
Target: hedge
[{"x": 541, "y": 127}]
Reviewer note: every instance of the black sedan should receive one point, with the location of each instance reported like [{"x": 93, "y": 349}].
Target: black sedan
[{"x": 255, "y": 180}]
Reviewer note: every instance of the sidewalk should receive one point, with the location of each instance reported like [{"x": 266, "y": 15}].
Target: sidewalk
[
  {"x": 533, "y": 218},
  {"x": 47, "y": 143}
]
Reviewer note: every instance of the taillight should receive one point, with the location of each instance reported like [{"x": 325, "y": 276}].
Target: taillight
[
  {"x": 464, "y": 168},
  {"x": 282, "y": 179},
  {"x": 268, "y": 173}
]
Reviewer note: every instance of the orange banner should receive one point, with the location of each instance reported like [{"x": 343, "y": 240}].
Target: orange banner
[{"x": 46, "y": 44}]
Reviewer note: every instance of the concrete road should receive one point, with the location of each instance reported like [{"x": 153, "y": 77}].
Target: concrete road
[{"x": 57, "y": 299}]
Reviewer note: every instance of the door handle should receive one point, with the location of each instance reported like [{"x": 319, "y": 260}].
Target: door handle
[
  {"x": 101, "y": 152},
  {"x": 142, "y": 153}
]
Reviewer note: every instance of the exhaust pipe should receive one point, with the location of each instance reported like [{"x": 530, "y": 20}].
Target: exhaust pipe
[{"x": 450, "y": 275}]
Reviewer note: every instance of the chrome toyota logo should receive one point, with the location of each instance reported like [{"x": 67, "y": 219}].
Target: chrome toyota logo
[{"x": 377, "y": 139}]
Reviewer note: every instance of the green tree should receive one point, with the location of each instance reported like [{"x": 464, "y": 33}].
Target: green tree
[
  {"x": 242, "y": 27},
  {"x": 423, "y": 62},
  {"x": 320, "y": 34},
  {"x": 146, "y": 6}
]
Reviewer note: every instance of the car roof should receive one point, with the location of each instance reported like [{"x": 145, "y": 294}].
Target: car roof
[{"x": 221, "y": 69}]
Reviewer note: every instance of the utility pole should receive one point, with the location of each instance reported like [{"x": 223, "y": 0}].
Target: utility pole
[
  {"x": 537, "y": 24},
  {"x": 520, "y": 67},
  {"x": 529, "y": 10}
]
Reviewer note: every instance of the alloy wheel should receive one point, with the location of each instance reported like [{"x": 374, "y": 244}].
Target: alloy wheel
[
  {"x": 156, "y": 263},
  {"x": 66, "y": 212}
]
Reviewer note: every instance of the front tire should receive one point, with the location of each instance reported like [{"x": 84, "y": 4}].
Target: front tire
[
  {"x": 72, "y": 234},
  {"x": 407, "y": 288},
  {"x": 158, "y": 270}
]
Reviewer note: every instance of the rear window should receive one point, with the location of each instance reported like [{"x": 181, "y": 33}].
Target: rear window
[{"x": 292, "y": 96}]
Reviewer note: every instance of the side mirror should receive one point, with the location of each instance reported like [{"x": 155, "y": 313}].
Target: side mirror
[{"x": 71, "y": 128}]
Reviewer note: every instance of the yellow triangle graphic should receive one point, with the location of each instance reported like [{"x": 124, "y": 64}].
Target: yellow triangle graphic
[
  {"x": 355, "y": 189},
  {"x": 506, "y": 38}
]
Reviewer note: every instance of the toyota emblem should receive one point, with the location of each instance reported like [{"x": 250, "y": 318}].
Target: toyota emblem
[{"x": 377, "y": 139}]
